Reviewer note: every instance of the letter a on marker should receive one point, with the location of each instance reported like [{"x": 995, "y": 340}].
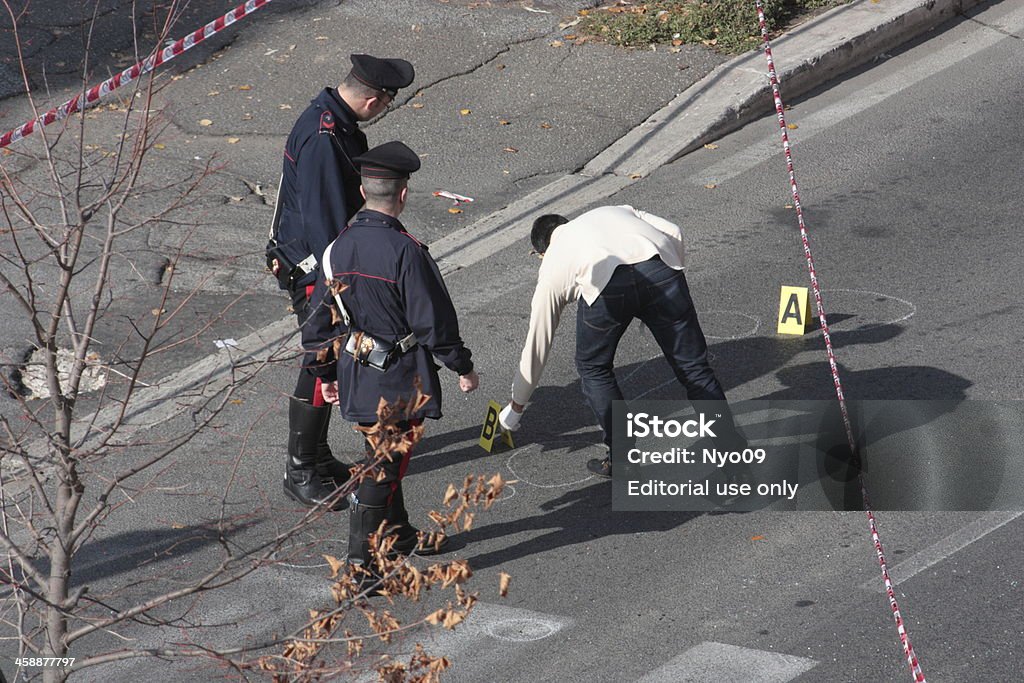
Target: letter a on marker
[{"x": 794, "y": 307}]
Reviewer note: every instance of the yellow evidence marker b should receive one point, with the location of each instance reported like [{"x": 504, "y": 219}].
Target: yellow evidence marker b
[
  {"x": 794, "y": 310},
  {"x": 492, "y": 429}
]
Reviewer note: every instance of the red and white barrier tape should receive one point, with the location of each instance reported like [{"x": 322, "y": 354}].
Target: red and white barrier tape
[
  {"x": 908, "y": 649},
  {"x": 130, "y": 74}
]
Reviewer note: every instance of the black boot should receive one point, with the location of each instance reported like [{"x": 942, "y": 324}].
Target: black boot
[
  {"x": 408, "y": 535},
  {"x": 364, "y": 520},
  {"x": 302, "y": 479},
  {"x": 333, "y": 472}
]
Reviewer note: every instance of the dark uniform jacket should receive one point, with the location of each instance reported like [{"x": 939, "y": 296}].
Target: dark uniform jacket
[
  {"x": 320, "y": 189},
  {"x": 395, "y": 288}
]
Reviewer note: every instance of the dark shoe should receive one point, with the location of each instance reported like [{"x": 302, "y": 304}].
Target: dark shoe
[
  {"x": 334, "y": 472},
  {"x": 600, "y": 467},
  {"x": 303, "y": 480},
  {"x": 364, "y": 520},
  {"x": 408, "y": 540}
]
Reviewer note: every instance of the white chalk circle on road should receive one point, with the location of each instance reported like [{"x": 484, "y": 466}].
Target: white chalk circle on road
[
  {"x": 728, "y": 324},
  {"x": 867, "y": 309},
  {"x": 522, "y": 630}
]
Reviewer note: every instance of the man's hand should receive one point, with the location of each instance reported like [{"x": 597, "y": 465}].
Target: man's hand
[
  {"x": 329, "y": 390},
  {"x": 469, "y": 382},
  {"x": 510, "y": 415}
]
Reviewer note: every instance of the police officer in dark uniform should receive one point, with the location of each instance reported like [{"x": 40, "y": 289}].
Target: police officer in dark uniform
[
  {"x": 319, "y": 194},
  {"x": 394, "y": 299}
]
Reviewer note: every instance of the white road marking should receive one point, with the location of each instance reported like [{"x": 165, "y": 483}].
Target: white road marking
[
  {"x": 722, "y": 663},
  {"x": 932, "y": 555}
]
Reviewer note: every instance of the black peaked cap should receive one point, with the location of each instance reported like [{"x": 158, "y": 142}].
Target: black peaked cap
[
  {"x": 387, "y": 75},
  {"x": 392, "y": 160}
]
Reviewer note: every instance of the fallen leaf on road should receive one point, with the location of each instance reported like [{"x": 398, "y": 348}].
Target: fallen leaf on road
[
  {"x": 556, "y": 43},
  {"x": 570, "y": 36},
  {"x": 711, "y": 145},
  {"x": 322, "y": 38},
  {"x": 245, "y": 87},
  {"x": 788, "y": 206},
  {"x": 205, "y": 122},
  {"x": 792, "y": 126},
  {"x": 545, "y": 124},
  {"x": 677, "y": 42},
  {"x": 503, "y": 122},
  {"x": 232, "y": 141},
  {"x": 757, "y": 538},
  {"x": 284, "y": 106},
  {"x": 566, "y": 24},
  {"x": 159, "y": 145},
  {"x": 711, "y": 186},
  {"x": 237, "y": 401},
  {"x": 504, "y": 581},
  {"x": 510, "y": 149},
  {"x": 635, "y": 176},
  {"x": 336, "y": 565},
  {"x": 465, "y": 112},
  {"x": 158, "y": 311},
  {"x": 454, "y": 210},
  {"x": 213, "y": 93},
  {"x": 231, "y": 198},
  {"x": 417, "y": 105},
  {"x": 499, "y": 67}
]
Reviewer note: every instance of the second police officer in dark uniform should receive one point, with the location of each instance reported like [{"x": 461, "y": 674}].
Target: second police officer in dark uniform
[
  {"x": 395, "y": 298},
  {"x": 319, "y": 194}
]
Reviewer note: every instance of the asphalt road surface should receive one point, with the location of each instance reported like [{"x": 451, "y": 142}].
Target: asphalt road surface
[{"x": 910, "y": 177}]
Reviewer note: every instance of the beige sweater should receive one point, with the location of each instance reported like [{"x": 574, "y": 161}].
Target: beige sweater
[{"x": 579, "y": 262}]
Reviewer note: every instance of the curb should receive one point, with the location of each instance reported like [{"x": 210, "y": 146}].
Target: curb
[{"x": 731, "y": 96}]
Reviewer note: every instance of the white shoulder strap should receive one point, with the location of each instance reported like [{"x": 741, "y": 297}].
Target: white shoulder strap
[{"x": 329, "y": 274}]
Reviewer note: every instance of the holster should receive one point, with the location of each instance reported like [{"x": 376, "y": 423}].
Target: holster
[
  {"x": 375, "y": 353},
  {"x": 287, "y": 272}
]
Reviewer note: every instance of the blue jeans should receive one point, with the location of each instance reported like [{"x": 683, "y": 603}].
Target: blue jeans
[{"x": 658, "y": 296}]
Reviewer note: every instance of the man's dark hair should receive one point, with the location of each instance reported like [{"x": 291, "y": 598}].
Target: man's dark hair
[
  {"x": 383, "y": 189},
  {"x": 359, "y": 88},
  {"x": 540, "y": 235}
]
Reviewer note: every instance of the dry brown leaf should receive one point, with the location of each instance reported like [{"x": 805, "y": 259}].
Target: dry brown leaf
[
  {"x": 510, "y": 149},
  {"x": 499, "y": 67},
  {"x": 213, "y": 93},
  {"x": 158, "y": 311},
  {"x": 451, "y": 494},
  {"x": 237, "y": 401},
  {"x": 159, "y": 145},
  {"x": 677, "y": 42},
  {"x": 503, "y": 583},
  {"x": 322, "y": 38},
  {"x": 711, "y": 186},
  {"x": 336, "y": 565},
  {"x": 711, "y": 145},
  {"x": 205, "y": 122},
  {"x": 417, "y": 105},
  {"x": 465, "y": 112},
  {"x": 545, "y": 124},
  {"x": 556, "y": 43},
  {"x": 245, "y": 87},
  {"x": 503, "y": 122},
  {"x": 454, "y": 209},
  {"x": 570, "y": 36},
  {"x": 232, "y": 141},
  {"x": 792, "y": 126},
  {"x": 635, "y": 176},
  {"x": 757, "y": 538}
]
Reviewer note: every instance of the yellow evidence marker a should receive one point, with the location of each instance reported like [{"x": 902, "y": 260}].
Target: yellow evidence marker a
[
  {"x": 794, "y": 310},
  {"x": 492, "y": 429}
]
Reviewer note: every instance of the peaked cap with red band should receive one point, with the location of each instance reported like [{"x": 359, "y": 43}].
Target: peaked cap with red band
[
  {"x": 392, "y": 161},
  {"x": 386, "y": 75}
]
